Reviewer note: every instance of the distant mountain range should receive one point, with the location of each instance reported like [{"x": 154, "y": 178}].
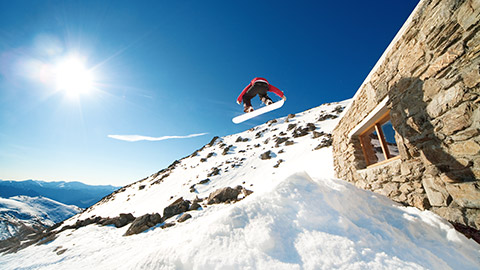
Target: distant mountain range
[
  {"x": 22, "y": 215},
  {"x": 30, "y": 206},
  {"x": 70, "y": 193}
]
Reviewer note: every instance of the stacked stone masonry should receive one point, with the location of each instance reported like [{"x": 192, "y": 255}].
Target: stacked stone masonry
[{"x": 431, "y": 77}]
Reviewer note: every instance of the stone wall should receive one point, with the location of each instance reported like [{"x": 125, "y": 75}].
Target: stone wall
[{"x": 431, "y": 76}]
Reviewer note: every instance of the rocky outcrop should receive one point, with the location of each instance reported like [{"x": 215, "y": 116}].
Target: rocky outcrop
[
  {"x": 327, "y": 116},
  {"x": 227, "y": 195},
  {"x": 240, "y": 139},
  {"x": 266, "y": 155},
  {"x": 214, "y": 171},
  {"x": 143, "y": 223},
  {"x": 280, "y": 140},
  {"x": 325, "y": 142},
  {"x": 177, "y": 207},
  {"x": 195, "y": 204},
  {"x": 184, "y": 217},
  {"x": 227, "y": 149},
  {"x": 118, "y": 222}
]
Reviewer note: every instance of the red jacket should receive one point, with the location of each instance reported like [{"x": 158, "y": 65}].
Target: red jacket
[{"x": 271, "y": 88}]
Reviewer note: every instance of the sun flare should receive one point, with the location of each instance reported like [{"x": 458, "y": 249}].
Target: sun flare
[{"x": 73, "y": 77}]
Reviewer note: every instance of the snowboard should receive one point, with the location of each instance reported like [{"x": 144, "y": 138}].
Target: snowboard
[{"x": 255, "y": 113}]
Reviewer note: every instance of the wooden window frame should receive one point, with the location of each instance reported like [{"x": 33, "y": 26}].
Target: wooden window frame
[{"x": 377, "y": 126}]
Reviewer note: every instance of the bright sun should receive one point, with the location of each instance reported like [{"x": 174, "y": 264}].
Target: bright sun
[{"x": 72, "y": 76}]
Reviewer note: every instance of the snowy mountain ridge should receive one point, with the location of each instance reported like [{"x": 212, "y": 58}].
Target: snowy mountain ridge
[
  {"x": 28, "y": 214},
  {"x": 265, "y": 198}
]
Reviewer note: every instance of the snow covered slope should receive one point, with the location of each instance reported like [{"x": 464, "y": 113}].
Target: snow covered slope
[
  {"x": 23, "y": 213},
  {"x": 298, "y": 216}
]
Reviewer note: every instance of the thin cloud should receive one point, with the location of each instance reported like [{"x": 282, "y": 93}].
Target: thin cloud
[{"x": 136, "y": 138}]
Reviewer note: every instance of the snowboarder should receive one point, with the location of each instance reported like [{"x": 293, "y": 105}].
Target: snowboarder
[{"x": 258, "y": 86}]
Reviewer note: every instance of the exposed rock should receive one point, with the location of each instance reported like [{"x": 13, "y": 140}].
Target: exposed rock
[
  {"x": 225, "y": 151},
  {"x": 280, "y": 140},
  {"x": 120, "y": 221},
  {"x": 291, "y": 126},
  {"x": 60, "y": 252},
  {"x": 204, "y": 181},
  {"x": 325, "y": 142},
  {"x": 339, "y": 109},
  {"x": 177, "y": 207},
  {"x": 324, "y": 117},
  {"x": 290, "y": 116},
  {"x": 246, "y": 192},
  {"x": 288, "y": 143},
  {"x": 167, "y": 225},
  {"x": 278, "y": 163},
  {"x": 240, "y": 139},
  {"x": 165, "y": 175},
  {"x": 260, "y": 133},
  {"x": 215, "y": 171},
  {"x": 227, "y": 194},
  {"x": 300, "y": 132},
  {"x": 266, "y": 155},
  {"x": 212, "y": 142},
  {"x": 317, "y": 134},
  {"x": 184, "y": 217},
  {"x": 194, "y": 206},
  {"x": 85, "y": 222},
  {"x": 173, "y": 165},
  {"x": 311, "y": 127},
  {"x": 194, "y": 154},
  {"x": 271, "y": 122},
  {"x": 143, "y": 223},
  {"x": 222, "y": 195}
]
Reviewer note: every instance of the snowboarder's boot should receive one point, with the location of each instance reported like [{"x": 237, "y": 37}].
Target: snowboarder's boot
[
  {"x": 248, "y": 109},
  {"x": 267, "y": 101}
]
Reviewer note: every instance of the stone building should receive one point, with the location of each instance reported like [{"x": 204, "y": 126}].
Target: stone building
[{"x": 412, "y": 131}]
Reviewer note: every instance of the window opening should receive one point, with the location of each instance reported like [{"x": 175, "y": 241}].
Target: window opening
[{"x": 378, "y": 141}]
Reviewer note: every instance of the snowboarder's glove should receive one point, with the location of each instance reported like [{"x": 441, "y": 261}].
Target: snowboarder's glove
[
  {"x": 284, "y": 98},
  {"x": 238, "y": 102}
]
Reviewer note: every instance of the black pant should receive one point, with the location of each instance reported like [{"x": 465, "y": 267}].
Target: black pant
[{"x": 259, "y": 88}]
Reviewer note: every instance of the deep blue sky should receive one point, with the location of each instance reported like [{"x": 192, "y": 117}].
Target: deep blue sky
[{"x": 169, "y": 68}]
